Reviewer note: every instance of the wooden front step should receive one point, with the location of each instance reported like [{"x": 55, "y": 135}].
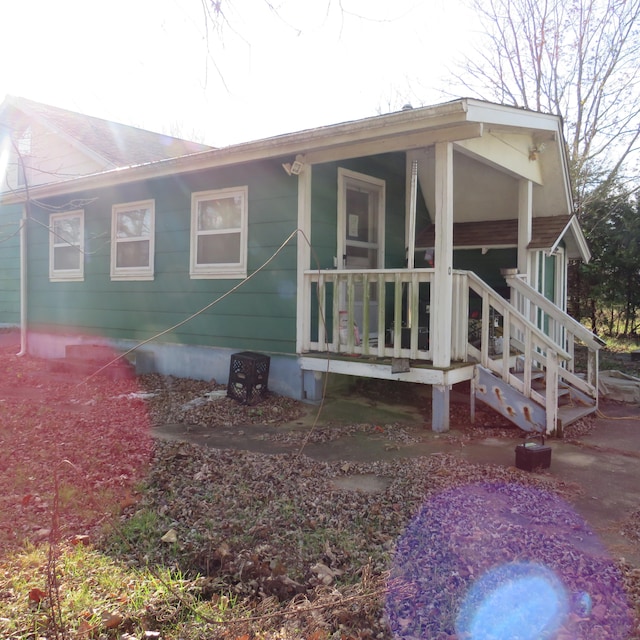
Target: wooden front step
[{"x": 568, "y": 414}]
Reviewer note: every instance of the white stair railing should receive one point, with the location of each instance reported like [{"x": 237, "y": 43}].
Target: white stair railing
[
  {"x": 564, "y": 330},
  {"x": 524, "y": 348},
  {"x": 527, "y": 349}
]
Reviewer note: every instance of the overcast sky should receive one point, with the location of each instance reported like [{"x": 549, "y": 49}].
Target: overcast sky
[{"x": 154, "y": 64}]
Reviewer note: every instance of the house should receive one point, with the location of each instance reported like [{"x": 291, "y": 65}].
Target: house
[
  {"x": 41, "y": 144},
  {"x": 428, "y": 245}
]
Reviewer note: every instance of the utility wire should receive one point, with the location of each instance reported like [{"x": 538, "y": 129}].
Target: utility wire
[{"x": 219, "y": 299}]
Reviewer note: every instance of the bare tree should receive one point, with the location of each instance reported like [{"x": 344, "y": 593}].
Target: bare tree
[{"x": 575, "y": 58}]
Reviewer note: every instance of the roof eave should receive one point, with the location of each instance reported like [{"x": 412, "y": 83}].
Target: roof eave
[
  {"x": 375, "y": 127},
  {"x": 370, "y": 129},
  {"x": 581, "y": 249}
]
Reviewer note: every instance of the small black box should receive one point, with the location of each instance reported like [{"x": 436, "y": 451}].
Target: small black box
[{"x": 530, "y": 456}]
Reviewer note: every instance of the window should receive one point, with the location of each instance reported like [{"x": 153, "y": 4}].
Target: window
[
  {"x": 132, "y": 240},
  {"x": 219, "y": 233},
  {"x": 66, "y": 246}
]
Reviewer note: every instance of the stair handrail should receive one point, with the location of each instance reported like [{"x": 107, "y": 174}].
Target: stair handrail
[
  {"x": 499, "y": 300},
  {"x": 554, "y": 352},
  {"x": 581, "y": 332}
]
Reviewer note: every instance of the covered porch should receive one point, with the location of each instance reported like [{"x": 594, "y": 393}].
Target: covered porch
[
  {"x": 372, "y": 305},
  {"x": 490, "y": 338}
]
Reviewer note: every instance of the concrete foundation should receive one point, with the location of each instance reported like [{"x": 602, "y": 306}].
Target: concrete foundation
[{"x": 185, "y": 361}]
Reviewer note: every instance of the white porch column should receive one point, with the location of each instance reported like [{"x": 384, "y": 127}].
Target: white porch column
[
  {"x": 303, "y": 302},
  {"x": 525, "y": 225},
  {"x": 442, "y": 296},
  {"x": 442, "y": 293},
  {"x": 411, "y": 216}
]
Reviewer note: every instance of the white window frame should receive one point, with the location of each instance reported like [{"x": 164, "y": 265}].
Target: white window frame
[
  {"x": 145, "y": 272},
  {"x": 219, "y": 270},
  {"x": 57, "y": 242}
]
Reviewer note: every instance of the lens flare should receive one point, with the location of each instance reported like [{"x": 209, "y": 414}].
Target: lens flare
[
  {"x": 503, "y": 561},
  {"x": 75, "y": 440},
  {"x": 524, "y": 601}
]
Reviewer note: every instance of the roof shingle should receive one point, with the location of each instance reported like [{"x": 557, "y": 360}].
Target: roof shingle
[{"x": 498, "y": 233}]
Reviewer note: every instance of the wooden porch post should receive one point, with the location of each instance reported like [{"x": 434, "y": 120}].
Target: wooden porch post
[
  {"x": 303, "y": 303},
  {"x": 442, "y": 291},
  {"x": 525, "y": 227},
  {"x": 525, "y": 224}
]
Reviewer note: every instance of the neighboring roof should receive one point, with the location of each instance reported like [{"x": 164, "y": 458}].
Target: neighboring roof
[
  {"x": 117, "y": 144},
  {"x": 546, "y": 233}
]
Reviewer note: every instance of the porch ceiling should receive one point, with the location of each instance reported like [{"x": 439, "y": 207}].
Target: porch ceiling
[{"x": 485, "y": 184}]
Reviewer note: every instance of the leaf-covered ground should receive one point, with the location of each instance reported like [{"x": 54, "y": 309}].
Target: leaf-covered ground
[{"x": 276, "y": 546}]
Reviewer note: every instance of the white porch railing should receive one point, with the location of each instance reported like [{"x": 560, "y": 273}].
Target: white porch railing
[
  {"x": 384, "y": 313},
  {"x": 369, "y": 312}
]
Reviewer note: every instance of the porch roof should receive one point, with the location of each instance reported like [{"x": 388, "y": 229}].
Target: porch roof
[{"x": 546, "y": 234}]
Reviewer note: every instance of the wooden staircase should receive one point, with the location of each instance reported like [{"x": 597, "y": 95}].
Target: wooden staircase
[
  {"x": 526, "y": 413},
  {"x": 532, "y": 381}
]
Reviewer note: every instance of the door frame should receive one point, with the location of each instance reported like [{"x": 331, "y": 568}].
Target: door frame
[{"x": 346, "y": 179}]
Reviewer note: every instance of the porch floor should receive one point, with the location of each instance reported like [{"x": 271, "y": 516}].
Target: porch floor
[{"x": 405, "y": 370}]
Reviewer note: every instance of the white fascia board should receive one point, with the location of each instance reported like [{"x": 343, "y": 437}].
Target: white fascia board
[
  {"x": 581, "y": 246},
  {"x": 364, "y": 132},
  {"x": 498, "y": 114}
]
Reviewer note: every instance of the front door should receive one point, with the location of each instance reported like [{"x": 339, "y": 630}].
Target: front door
[{"x": 361, "y": 236}]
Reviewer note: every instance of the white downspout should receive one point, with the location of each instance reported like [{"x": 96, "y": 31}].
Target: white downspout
[{"x": 23, "y": 283}]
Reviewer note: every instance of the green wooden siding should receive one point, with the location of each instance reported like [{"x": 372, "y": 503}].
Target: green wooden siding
[
  {"x": 487, "y": 266},
  {"x": 390, "y": 167},
  {"x": 261, "y": 315},
  {"x": 10, "y": 264}
]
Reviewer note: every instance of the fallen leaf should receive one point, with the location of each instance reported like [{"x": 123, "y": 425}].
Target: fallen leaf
[
  {"x": 111, "y": 620},
  {"x": 37, "y": 595},
  {"x": 86, "y": 629},
  {"x": 170, "y": 537},
  {"x": 129, "y": 500}
]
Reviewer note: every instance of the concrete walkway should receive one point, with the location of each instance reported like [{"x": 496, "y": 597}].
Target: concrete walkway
[{"x": 604, "y": 464}]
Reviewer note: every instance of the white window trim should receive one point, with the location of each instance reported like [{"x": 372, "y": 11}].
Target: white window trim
[
  {"x": 230, "y": 270},
  {"x": 132, "y": 273},
  {"x": 64, "y": 275}
]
